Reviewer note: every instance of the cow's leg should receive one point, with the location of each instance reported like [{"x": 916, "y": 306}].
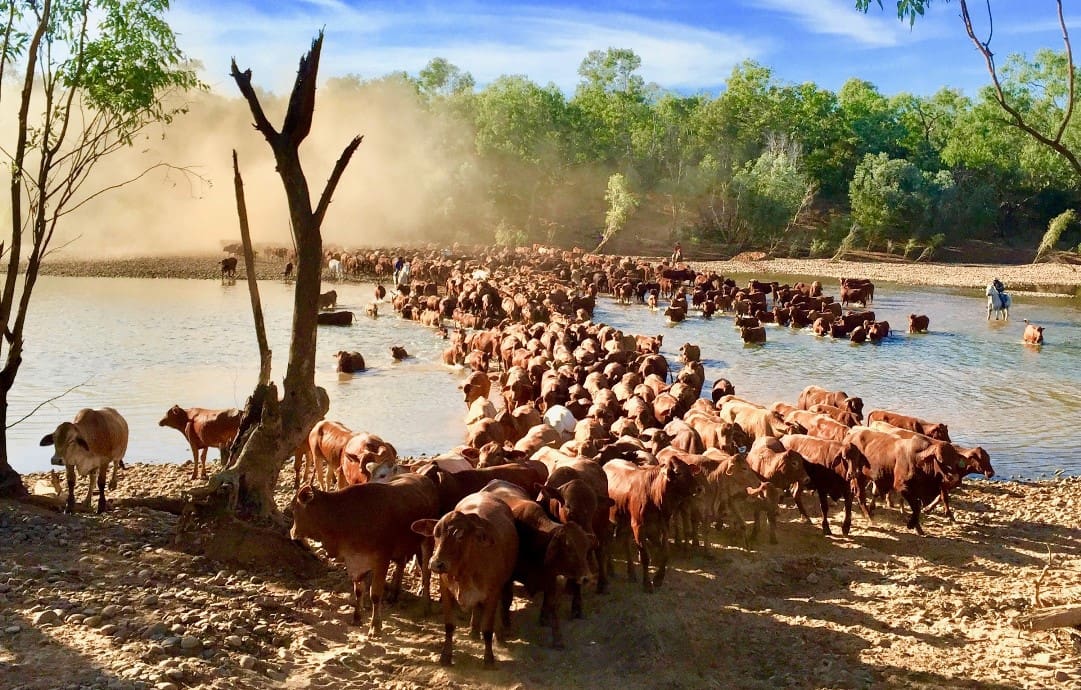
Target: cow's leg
[
  {"x": 396, "y": 581},
  {"x": 847, "y": 524},
  {"x": 550, "y": 603},
  {"x": 506, "y": 598},
  {"x": 426, "y": 575},
  {"x": 643, "y": 555},
  {"x": 70, "y": 472},
  {"x": 575, "y": 587},
  {"x": 116, "y": 474},
  {"x": 662, "y": 558},
  {"x": 194, "y": 460},
  {"x": 379, "y": 581},
  {"x": 802, "y": 510},
  {"x": 914, "y": 521},
  {"x": 446, "y": 654},
  {"x": 823, "y": 501},
  {"x": 488, "y": 622},
  {"x": 624, "y": 539},
  {"x": 102, "y": 471},
  {"x": 91, "y": 478}
]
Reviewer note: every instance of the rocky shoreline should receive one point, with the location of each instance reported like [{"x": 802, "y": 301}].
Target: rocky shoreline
[
  {"x": 1053, "y": 279},
  {"x": 108, "y": 602}
]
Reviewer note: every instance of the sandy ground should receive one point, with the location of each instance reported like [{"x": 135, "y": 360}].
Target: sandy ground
[{"x": 91, "y": 601}]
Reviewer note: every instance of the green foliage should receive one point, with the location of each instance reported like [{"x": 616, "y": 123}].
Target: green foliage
[
  {"x": 770, "y": 191},
  {"x": 1055, "y": 229},
  {"x": 507, "y": 235},
  {"x": 910, "y": 246},
  {"x": 819, "y": 247},
  {"x": 622, "y": 202},
  {"x": 891, "y": 197},
  {"x": 933, "y": 244}
]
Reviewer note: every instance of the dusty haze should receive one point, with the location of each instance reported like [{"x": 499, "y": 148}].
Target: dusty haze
[{"x": 394, "y": 189}]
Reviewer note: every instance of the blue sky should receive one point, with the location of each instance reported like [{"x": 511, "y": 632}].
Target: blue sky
[{"x": 686, "y": 46}]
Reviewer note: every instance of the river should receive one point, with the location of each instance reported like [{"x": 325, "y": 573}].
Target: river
[{"x": 141, "y": 345}]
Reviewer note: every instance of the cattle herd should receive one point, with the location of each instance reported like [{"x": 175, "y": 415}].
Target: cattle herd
[{"x": 581, "y": 441}]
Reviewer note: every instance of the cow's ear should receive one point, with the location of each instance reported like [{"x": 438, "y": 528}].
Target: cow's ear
[
  {"x": 47, "y": 440},
  {"x": 695, "y": 470},
  {"x": 471, "y": 454},
  {"x": 370, "y": 468},
  {"x": 548, "y": 493},
  {"x": 305, "y": 495},
  {"x": 82, "y": 443},
  {"x": 425, "y": 528}
]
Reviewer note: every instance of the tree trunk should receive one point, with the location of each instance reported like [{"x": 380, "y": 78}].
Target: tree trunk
[{"x": 11, "y": 484}]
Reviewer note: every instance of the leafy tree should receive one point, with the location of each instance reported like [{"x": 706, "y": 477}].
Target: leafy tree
[
  {"x": 1048, "y": 132},
  {"x": 1055, "y": 229},
  {"x": 94, "y": 74},
  {"x": 771, "y": 191},
  {"x": 441, "y": 79},
  {"x": 622, "y": 202},
  {"x": 608, "y": 105},
  {"x": 890, "y": 198}
]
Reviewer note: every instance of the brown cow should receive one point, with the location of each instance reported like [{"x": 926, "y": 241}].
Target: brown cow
[
  {"x": 577, "y": 491},
  {"x": 834, "y": 470},
  {"x": 362, "y": 455},
  {"x": 1033, "y": 334},
  {"x": 476, "y": 548},
  {"x": 918, "y": 323},
  {"x": 778, "y": 465},
  {"x": 917, "y": 467},
  {"x": 477, "y": 385},
  {"x": 644, "y": 500},
  {"x": 349, "y": 362},
  {"x": 228, "y": 268},
  {"x": 845, "y": 417},
  {"x": 326, "y": 441},
  {"x": 398, "y": 353},
  {"x": 721, "y": 388},
  {"x": 203, "y": 428},
  {"x": 818, "y": 425},
  {"x": 88, "y": 444},
  {"x": 814, "y": 395},
  {"x": 367, "y": 527},
  {"x": 547, "y": 551},
  {"x": 328, "y": 299},
  {"x": 935, "y": 430},
  {"x": 754, "y": 334}
]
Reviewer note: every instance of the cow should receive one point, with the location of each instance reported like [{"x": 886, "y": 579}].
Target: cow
[
  {"x": 204, "y": 428},
  {"x": 834, "y": 470},
  {"x": 845, "y": 417},
  {"x": 328, "y": 299},
  {"x": 818, "y": 425},
  {"x": 476, "y": 549},
  {"x": 87, "y": 445},
  {"x": 917, "y": 467},
  {"x": 334, "y": 318},
  {"x": 935, "y": 430},
  {"x": 753, "y": 334},
  {"x": 577, "y": 491},
  {"x": 814, "y": 395},
  {"x": 228, "y": 268},
  {"x": 349, "y": 362},
  {"x": 734, "y": 485},
  {"x": 690, "y": 353},
  {"x": 547, "y": 551},
  {"x": 368, "y": 526},
  {"x": 398, "y": 353},
  {"x": 326, "y": 441},
  {"x": 721, "y": 388},
  {"x": 478, "y": 385},
  {"x": 1033, "y": 334},
  {"x": 645, "y": 498},
  {"x": 918, "y": 323},
  {"x": 778, "y": 465}
]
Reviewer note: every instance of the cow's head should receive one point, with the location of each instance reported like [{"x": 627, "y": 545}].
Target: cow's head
[
  {"x": 568, "y": 552},
  {"x": 176, "y": 418},
  {"x": 69, "y": 446},
  {"x": 301, "y": 503},
  {"x": 458, "y": 536},
  {"x": 977, "y": 460}
]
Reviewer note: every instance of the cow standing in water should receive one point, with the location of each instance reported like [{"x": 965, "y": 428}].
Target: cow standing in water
[{"x": 228, "y": 269}]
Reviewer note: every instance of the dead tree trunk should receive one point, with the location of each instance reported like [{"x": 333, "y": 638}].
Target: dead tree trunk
[{"x": 275, "y": 427}]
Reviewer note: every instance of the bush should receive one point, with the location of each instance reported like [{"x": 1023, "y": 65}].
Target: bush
[
  {"x": 910, "y": 246},
  {"x": 819, "y": 247},
  {"x": 1058, "y": 225},
  {"x": 506, "y": 235}
]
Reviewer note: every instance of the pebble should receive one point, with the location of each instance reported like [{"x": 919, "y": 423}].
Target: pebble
[
  {"x": 190, "y": 642},
  {"x": 234, "y": 641},
  {"x": 165, "y": 685},
  {"x": 1061, "y": 676},
  {"x": 13, "y": 630},
  {"x": 812, "y": 579},
  {"x": 247, "y": 662},
  {"x": 46, "y": 617}
]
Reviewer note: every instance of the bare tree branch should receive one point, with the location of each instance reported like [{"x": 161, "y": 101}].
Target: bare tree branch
[
  {"x": 298, "y": 116},
  {"x": 243, "y": 82},
  {"x": 335, "y": 176},
  {"x": 44, "y": 403}
]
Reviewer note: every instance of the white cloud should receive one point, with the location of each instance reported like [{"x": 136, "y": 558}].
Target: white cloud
[
  {"x": 878, "y": 29},
  {"x": 544, "y": 44}
]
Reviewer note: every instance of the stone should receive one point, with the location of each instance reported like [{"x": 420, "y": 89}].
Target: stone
[
  {"x": 92, "y": 621},
  {"x": 812, "y": 579},
  {"x": 110, "y": 629},
  {"x": 234, "y": 641},
  {"x": 247, "y": 662},
  {"x": 12, "y": 630},
  {"x": 190, "y": 643},
  {"x": 1061, "y": 676},
  {"x": 46, "y": 617},
  {"x": 166, "y": 685}
]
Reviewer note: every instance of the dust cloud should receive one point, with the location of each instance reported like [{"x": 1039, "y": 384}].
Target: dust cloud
[{"x": 400, "y": 182}]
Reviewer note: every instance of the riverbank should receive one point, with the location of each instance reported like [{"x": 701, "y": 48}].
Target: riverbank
[
  {"x": 1045, "y": 279},
  {"x": 108, "y": 602}
]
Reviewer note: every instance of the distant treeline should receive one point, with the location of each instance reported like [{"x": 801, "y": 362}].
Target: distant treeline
[{"x": 791, "y": 168}]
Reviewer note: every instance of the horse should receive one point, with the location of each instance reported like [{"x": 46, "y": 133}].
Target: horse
[{"x": 998, "y": 302}]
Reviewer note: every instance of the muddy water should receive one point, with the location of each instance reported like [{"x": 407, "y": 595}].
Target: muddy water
[{"x": 142, "y": 345}]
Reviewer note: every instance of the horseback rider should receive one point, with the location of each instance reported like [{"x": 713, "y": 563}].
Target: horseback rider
[{"x": 1000, "y": 289}]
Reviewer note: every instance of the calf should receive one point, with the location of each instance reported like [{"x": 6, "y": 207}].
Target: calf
[
  {"x": 1033, "y": 334},
  {"x": 935, "y": 430},
  {"x": 363, "y": 455},
  {"x": 349, "y": 362},
  {"x": 753, "y": 334},
  {"x": 476, "y": 549},
  {"x": 547, "y": 551},
  {"x": 834, "y": 470},
  {"x": 918, "y": 323},
  {"x": 644, "y": 500},
  {"x": 203, "y": 428},
  {"x": 780, "y": 466},
  {"x": 88, "y": 444},
  {"x": 228, "y": 267},
  {"x": 368, "y": 526},
  {"x": 814, "y": 395},
  {"x": 328, "y": 299},
  {"x": 326, "y": 441}
]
